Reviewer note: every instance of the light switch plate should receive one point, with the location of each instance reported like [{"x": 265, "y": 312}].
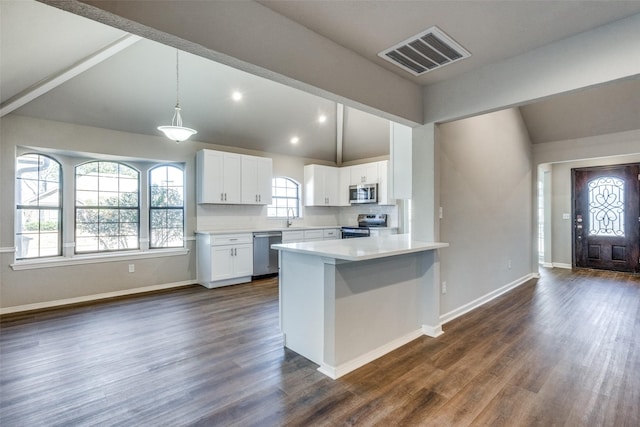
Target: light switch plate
[{"x": 566, "y": 216}]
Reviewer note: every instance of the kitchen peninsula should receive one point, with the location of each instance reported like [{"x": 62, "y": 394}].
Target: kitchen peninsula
[{"x": 344, "y": 303}]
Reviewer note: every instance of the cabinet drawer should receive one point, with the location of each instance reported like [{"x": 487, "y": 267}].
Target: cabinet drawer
[
  {"x": 331, "y": 233},
  {"x": 231, "y": 239},
  {"x": 313, "y": 235},
  {"x": 292, "y": 236}
]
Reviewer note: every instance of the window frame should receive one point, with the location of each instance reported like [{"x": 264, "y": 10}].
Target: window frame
[
  {"x": 274, "y": 197},
  {"x": 20, "y": 207},
  {"x": 98, "y": 207},
  {"x": 151, "y": 208}
]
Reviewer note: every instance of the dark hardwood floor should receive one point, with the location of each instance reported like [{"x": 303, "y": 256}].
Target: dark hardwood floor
[{"x": 562, "y": 350}]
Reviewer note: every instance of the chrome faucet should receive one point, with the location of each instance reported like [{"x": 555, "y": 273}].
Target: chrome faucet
[{"x": 290, "y": 218}]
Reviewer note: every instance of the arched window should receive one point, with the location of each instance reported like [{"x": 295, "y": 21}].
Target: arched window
[
  {"x": 285, "y": 198},
  {"x": 38, "y": 206},
  {"x": 166, "y": 207},
  {"x": 107, "y": 207}
]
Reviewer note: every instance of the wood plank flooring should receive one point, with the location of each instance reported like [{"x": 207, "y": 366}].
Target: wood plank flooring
[{"x": 561, "y": 350}]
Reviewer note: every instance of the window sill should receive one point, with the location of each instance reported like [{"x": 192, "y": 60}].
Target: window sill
[{"x": 96, "y": 258}]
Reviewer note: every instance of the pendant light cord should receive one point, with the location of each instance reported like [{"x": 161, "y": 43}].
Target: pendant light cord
[{"x": 177, "y": 80}]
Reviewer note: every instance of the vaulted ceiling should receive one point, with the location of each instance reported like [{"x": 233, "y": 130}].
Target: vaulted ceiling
[{"x": 51, "y": 56}]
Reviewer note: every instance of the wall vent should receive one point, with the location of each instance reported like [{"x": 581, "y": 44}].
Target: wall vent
[{"x": 424, "y": 52}]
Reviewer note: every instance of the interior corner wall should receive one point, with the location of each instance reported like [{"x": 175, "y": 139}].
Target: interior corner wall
[{"x": 486, "y": 196}]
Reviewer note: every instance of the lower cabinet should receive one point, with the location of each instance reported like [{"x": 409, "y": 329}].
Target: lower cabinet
[{"x": 224, "y": 259}]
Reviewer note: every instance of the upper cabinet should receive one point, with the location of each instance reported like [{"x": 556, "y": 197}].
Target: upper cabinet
[
  {"x": 256, "y": 180},
  {"x": 321, "y": 185},
  {"x": 218, "y": 176},
  {"x": 329, "y": 186},
  {"x": 364, "y": 174},
  {"x": 228, "y": 178}
]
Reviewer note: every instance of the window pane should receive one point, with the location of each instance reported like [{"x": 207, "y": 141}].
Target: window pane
[
  {"x": 107, "y": 198},
  {"x": 38, "y": 185},
  {"x": 166, "y": 226},
  {"x": 128, "y": 199},
  {"x": 606, "y": 206},
  {"x": 85, "y": 182},
  {"x": 86, "y": 198}
]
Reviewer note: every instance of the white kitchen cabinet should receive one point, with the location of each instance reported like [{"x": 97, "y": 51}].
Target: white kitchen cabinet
[
  {"x": 256, "y": 175},
  {"x": 366, "y": 173},
  {"x": 313, "y": 235},
  {"x": 384, "y": 184},
  {"x": 331, "y": 234},
  {"x": 224, "y": 259},
  {"x": 320, "y": 185},
  {"x": 293, "y": 236},
  {"x": 344, "y": 180},
  {"x": 400, "y": 166},
  {"x": 218, "y": 177}
]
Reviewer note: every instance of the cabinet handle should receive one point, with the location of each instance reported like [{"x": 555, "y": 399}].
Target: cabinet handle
[
  {"x": 256, "y": 197},
  {"x": 222, "y": 197},
  {"x": 225, "y": 197},
  {"x": 231, "y": 251},
  {"x": 235, "y": 252},
  {"x": 259, "y": 197}
]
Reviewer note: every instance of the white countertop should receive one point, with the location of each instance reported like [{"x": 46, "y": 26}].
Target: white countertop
[
  {"x": 296, "y": 228},
  {"x": 361, "y": 249}
]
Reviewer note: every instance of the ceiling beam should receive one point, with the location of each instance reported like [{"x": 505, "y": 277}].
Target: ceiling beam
[{"x": 67, "y": 74}]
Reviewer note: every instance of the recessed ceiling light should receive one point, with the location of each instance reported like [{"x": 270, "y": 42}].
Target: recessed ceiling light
[
  {"x": 295, "y": 140},
  {"x": 322, "y": 118},
  {"x": 236, "y": 96}
]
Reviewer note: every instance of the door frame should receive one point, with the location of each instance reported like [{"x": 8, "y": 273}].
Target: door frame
[{"x": 602, "y": 168}]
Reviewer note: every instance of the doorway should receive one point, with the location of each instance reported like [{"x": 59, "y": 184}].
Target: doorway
[{"x": 606, "y": 217}]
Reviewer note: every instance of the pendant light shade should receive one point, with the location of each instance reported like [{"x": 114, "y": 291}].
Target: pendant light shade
[{"x": 176, "y": 132}]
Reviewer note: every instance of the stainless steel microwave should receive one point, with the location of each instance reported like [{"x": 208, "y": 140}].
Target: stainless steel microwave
[{"x": 363, "y": 193}]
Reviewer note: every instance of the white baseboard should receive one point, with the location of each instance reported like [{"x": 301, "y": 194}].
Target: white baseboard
[
  {"x": 432, "y": 331},
  {"x": 89, "y": 298},
  {"x": 447, "y": 317},
  {"x": 338, "y": 371},
  {"x": 562, "y": 265},
  {"x": 547, "y": 264}
]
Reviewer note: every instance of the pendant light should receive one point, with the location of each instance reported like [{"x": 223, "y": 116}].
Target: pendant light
[{"x": 176, "y": 132}]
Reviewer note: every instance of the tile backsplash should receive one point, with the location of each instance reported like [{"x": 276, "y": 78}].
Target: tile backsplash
[{"x": 221, "y": 217}]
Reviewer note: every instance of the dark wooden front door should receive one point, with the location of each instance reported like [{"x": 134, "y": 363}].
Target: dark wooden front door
[{"x": 606, "y": 217}]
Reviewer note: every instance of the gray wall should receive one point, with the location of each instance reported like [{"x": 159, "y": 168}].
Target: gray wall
[{"x": 486, "y": 197}]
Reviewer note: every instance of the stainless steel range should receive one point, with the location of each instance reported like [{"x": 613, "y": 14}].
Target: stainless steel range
[{"x": 365, "y": 223}]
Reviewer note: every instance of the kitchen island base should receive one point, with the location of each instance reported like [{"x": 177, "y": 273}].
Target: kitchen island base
[{"x": 343, "y": 314}]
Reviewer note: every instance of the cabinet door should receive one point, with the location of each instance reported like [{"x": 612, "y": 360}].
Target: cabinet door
[
  {"x": 249, "y": 191},
  {"x": 264, "y": 178},
  {"x": 383, "y": 184},
  {"x": 243, "y": 260},
  {"x": 356, "y": 174},
  {"x": 313, "y": 186},
  {"x": 210, "y": 176},
  {"x": 371, "y": 173},
  {"x": 231, "y": 178},
  {"x": 344, "y": 180},
  {"x": 221, "y": 262},
  {"x": 331, "y": 186}
]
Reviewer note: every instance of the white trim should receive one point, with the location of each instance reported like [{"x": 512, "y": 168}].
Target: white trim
[
  {"x": 432, "y": 331},
  {"x": 547, "y": 264},
  {"x": 96, "y": 297},
  {"x": 94, "y": 259},
  {"x": 338, "y": 371},
  {"x": 562, "y": 265},
  {"x": 447, "y": 317},
  {"x": 69, "y": 245},
  {"x": 7, "y": 249}
]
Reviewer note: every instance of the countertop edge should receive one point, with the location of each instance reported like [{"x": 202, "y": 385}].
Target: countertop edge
[{"x": 380, "y": 253}]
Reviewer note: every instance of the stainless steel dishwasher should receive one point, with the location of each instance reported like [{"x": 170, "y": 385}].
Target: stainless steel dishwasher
[{"x": 265, "y": 259}]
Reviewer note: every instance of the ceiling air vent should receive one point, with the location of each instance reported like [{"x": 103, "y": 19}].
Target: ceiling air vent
[{"x": 425, "y": 52}]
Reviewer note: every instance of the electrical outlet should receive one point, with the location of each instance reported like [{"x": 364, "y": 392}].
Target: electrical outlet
[
  {"x": 444, "y": 287},
  {"x": 509, "y": 264},
  {"x": 132, "y": 268}
]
